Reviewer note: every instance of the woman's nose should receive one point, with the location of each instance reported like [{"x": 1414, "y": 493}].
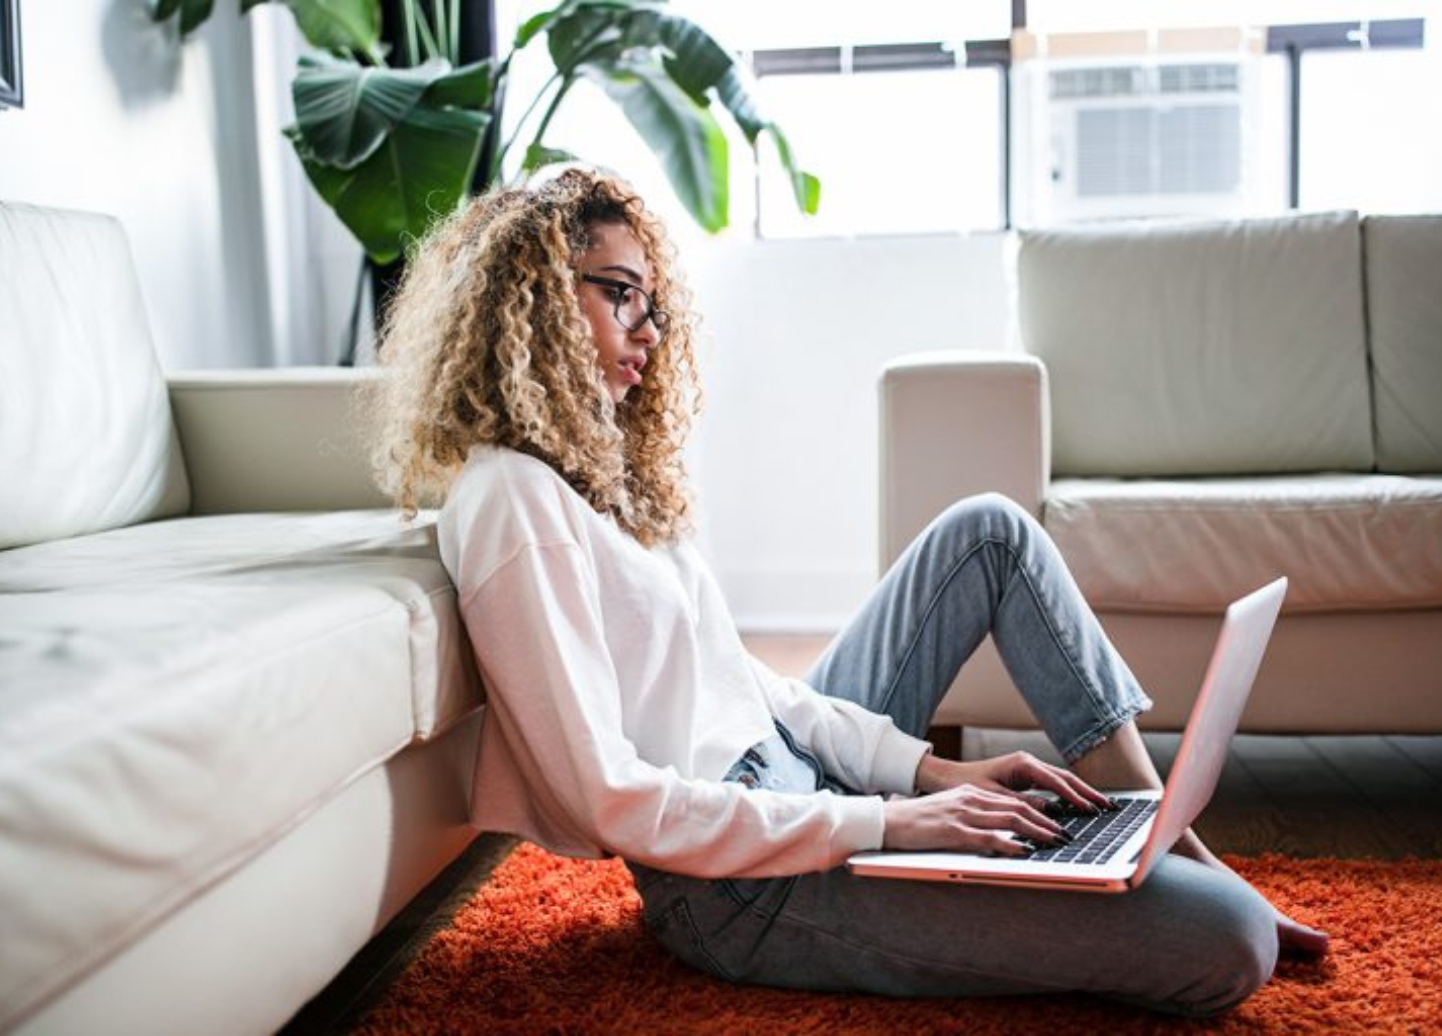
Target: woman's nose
[{"x": 646, "y": 334}]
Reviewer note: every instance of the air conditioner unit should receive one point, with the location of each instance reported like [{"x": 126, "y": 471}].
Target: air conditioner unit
[{"x": 1145, "y": 139}]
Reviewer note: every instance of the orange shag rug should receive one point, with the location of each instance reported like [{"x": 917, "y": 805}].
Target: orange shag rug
[{"x": 551, "y": 945}]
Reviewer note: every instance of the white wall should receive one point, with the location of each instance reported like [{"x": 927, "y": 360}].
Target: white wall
[
  {"x": 120, "y": 118},
  {"x": 786, "y": 457}
]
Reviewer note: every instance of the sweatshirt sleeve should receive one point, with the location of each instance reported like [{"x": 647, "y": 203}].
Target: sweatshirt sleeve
[
  {"x": 535, "y": 624},
  {"x": 863, "y": 749}
]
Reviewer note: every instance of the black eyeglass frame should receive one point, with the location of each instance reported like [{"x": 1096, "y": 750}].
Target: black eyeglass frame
[{"x": 659, "y": 317}]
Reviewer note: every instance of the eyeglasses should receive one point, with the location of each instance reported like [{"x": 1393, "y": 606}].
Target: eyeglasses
[{"x": 632, "y": 306}]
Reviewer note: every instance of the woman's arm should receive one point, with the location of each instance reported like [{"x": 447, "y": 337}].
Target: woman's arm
[{"x": 535, "y": 623}]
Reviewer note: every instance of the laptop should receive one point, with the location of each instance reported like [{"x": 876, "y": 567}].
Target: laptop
[{"x": 1115, "y": 851}]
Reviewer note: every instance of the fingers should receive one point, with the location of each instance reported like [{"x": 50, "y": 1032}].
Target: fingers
[
  {"x": 1004, "y": 811},
  {"x": 1078, "y": 792},
  {"x": 996, "y": 843},
  {"x": 1031, "y": 772},
  {"x": 969, "y": 818}
]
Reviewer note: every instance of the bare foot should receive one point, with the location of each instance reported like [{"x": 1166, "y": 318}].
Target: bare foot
[
  {"x": 1292, "y": 936},
  {"x": 1295, "y": 937}
]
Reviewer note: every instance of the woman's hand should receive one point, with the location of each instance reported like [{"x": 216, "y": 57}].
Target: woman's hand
[
  {"x": 979, "y": 806},
  {"x": 1013, "y": 773},
  {"x": 967, "y": 818}
]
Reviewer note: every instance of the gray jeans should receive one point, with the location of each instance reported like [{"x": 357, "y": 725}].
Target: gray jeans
[{"x": 1192, "y": 940}]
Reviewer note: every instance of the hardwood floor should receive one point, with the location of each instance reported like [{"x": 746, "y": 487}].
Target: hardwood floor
[{"x": 1351, "y": 797}]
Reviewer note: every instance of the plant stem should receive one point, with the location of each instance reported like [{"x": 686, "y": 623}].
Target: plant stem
[
  {"x": 455, "y": 32},
  {"x": 428, "y": 38},
  {"x": 443, "y": 30},
  {"x": 551, "y": 111},
  {"x": 568, "y": 78},
  {"x": 408, "y": 11},
  {"x": 495, "y": 171}
]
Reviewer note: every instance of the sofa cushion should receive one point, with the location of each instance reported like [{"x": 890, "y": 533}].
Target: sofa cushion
[
  {"x": 154, "y": 738},
  {"x": 86, "y": 441},
  {"x": 1404, "y": 326},
  {"x": 175, "y": 696},
  {"x": 1346, "y": 542},
  {"x": 367, "y": 549},
  {"x": 1201, "y": 348}
]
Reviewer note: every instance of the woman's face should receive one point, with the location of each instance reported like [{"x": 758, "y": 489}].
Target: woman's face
[{"x": 612, "y": 271}]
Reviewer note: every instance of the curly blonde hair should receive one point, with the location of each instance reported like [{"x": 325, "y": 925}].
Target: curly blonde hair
[{"x": 485, "y": 342}]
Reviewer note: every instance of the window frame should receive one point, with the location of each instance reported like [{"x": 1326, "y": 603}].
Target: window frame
[
  {"x": 1292, "y": 41},
  {"x": 865, "y": 59}
]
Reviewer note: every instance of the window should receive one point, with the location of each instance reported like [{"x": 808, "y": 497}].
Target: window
[
  {"x": 1226, "y": 109},
  {"x": 905, "y": 151},
  {"x": 1370, "y": 130},
  {"x": 900, "y": 113}
]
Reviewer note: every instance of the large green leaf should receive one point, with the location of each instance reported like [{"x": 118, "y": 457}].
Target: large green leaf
[
  {"x": 539, "y": 23},
  {"x": 684, "y": 136},
  {"x": 470, "y": 86},
  {"x": 606, "y": 36},
  {"x": 587, "y": 31},
  {"x": 804, "y": 187},
  {"x": 695, "y": 61},
  {"x": 602, "y": 31},
  {"x": 537, "y": 157},
  {"x": 345, "y": 110},
  {"x": 420, "y": 172},
  {"x": 353, "y": 25}
]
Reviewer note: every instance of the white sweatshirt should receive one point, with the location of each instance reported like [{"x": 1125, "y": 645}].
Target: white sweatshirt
[{"x": 619, "y": 694}]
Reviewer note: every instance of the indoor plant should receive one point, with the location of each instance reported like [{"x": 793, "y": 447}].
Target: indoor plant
[{"x": 391, "y": 137}]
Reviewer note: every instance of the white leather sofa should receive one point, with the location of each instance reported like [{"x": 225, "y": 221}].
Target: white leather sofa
[
  {"x": 1192, "y": 409},
  {"x": 237, "y": 711}
]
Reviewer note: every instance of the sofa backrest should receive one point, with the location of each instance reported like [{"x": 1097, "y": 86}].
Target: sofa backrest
[
  {"x": 1201, "y": 348},
  {"x": 1404, "y": 329},
  {"x": 86, "y": 439}
]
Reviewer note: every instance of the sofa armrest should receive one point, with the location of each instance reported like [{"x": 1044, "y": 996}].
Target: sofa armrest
[
  {"x": 954, "y": 424},
  {"x": 275, "y": 439}
]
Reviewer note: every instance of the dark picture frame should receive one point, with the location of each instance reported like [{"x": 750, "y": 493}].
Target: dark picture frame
[{"x": 12, "y": 94}]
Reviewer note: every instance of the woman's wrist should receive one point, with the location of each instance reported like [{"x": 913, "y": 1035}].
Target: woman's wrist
[{"x": 936, "y": 774}]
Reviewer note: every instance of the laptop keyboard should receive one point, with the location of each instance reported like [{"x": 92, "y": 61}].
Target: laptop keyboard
[{"x": 1097, "y": 838}]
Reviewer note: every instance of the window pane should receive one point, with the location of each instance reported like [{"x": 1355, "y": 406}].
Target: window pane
[
  {"x": 1372, "y": 130},
  {"x": 1108, "y": 15},
  {"x": 766, "y": 24},
  {"x": 896, "y": 152}
]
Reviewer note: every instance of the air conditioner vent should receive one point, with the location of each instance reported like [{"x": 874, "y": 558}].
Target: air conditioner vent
[
  {"x": 1193, "y": 79},
  {"x": 1140, "y": 80},
  {"x": 1123, "y": 81},
  {"x": 1186, "y": 149}
]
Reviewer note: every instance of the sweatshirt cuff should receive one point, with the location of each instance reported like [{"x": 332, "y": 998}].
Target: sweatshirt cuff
[
  {"x": 897, "y": 756},
  {"x": 861, "y": 826}
]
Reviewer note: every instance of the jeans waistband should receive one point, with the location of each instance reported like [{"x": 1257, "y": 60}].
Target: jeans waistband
[{"x": 780, "y": 763}]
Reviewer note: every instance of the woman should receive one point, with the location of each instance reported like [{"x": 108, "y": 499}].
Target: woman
[{"x": 543, "y": 384}]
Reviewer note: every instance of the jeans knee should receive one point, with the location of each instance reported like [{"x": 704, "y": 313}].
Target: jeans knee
[
  {"x": 1236, "y": 957},
  {"x": 988, "y": 515}
]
